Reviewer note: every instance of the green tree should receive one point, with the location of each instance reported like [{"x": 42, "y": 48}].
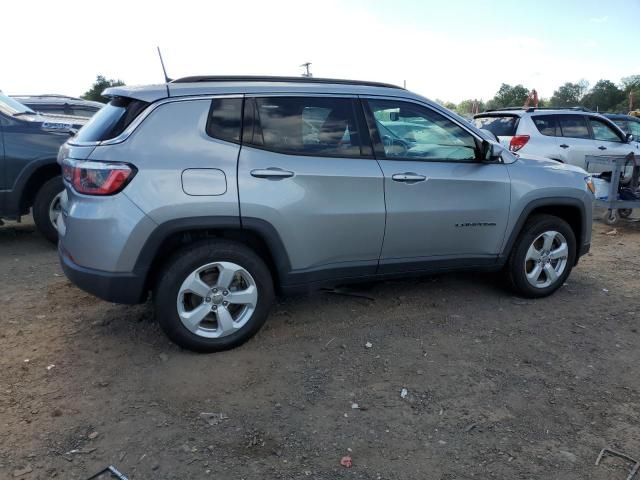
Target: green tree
[
  {"x": 509, "y": 96},
  {"x": 101, "y": 83},
  {"x": 569, "y": 94},
  {"x": 631, "y": 87},
  {"x": 467, "y": 108},
  {"x": 605, "y": 96}
]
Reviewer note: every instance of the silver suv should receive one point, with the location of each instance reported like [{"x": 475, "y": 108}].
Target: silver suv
[
  {"x": 217, "y": 193},
  {"x": 564, "y": 135}
]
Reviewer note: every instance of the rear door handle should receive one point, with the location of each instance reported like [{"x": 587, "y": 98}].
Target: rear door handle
[
  {"x": 564, "y": 145},
  {"x": 271, "y": 173},
  {"x": 408, "y": 177},
  {"x": 602, "y": 147}
]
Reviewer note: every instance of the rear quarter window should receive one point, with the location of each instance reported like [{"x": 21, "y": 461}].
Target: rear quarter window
[
  {"x": 225, "y": 119},
  {"x": 499, "y": 125},
  {"x": 111, "y": 120}
]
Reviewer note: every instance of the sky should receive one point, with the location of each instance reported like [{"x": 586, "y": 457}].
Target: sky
[{"x": 449, "y": 50}]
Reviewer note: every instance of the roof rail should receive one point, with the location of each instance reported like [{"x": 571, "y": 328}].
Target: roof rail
[
  {"x": 49, "y": 95},
  {"x": 243, "y": 78},
  {"x": 533, "y": 109}
]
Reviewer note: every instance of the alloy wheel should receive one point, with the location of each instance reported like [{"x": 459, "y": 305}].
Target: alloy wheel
[
  {"x": 217, "y": 299},
  {"x": 546, "y": 259}
]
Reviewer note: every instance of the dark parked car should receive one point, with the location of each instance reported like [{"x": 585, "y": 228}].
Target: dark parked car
[
  {"x": 627, "y": 123},
  {"x": 29, "y": 174},
  {"x": 60, "y": 105}
]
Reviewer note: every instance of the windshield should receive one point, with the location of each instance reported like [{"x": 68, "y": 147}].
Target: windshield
[{"x": 11, "y": 106}]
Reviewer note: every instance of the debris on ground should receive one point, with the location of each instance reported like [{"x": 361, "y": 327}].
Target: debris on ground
[
  {"x": 22, "y": 472},
  {"x": 404, "y": 393},
  {"x": 368, "y": 345},
  {"x": 213, "y": 418},
  {"x": 612, "y": 232},
  {"x": 346, "y": 461},
  {"x": 49, "y": 367},
  {"x": 614, "y": 453},
  {"x": 355, "y": 406}
]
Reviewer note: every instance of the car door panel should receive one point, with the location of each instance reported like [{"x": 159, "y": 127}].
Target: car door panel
[
  {"x": 437, "y": 209},
  {"x": 328, "y": 210}
]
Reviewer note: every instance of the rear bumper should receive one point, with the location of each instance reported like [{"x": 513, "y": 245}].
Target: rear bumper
[{"x": 120, "y": 287}]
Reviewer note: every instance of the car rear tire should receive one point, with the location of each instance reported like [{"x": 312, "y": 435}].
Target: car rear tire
[
  {"x": 213, "y": 295},
  {"x": 46, "y": 208},
  {"x": 542, "y": 257}
]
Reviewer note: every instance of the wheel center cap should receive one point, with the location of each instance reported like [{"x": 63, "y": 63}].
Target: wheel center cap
[{"x": 216, "y": 298}]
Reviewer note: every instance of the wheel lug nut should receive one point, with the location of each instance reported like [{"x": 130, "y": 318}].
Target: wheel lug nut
[
  {"x": 214, "y": 307},
  {"x": 225, "y": 292},
  {"x": 215, "y": 290},
  {"x": 208, "y": 299},
  {"x": 225, "y": 303}
]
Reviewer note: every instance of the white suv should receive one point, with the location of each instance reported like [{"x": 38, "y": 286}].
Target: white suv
[{"x": 565, "y": 135}]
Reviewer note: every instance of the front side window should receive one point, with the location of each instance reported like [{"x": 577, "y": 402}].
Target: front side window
[
  {"x": 603, "y": 132},
  {"x": 412, "y": 132},
  {"x": 547, "y": 125},
  {"x": 574, "y": 126},
  {"x": 634, "y": 129},
  {"x": 316, "y": 126},
  {"x": 225, "y": 119}
]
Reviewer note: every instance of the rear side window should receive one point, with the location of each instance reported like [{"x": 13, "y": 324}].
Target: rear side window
[
  {"x": 225, "y": 119},
  {"x": 111, "y": 120},
  {"x": 547, "y": 125},
  {"x": 317, "y": 126},
  {"x": 574, "y": 126},
  {"x": 500, "y": 126}
]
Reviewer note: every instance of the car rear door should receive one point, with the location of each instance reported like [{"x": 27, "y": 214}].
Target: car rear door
[
  {"x": 443, "y": 206},
  {"x": 576, "y": 139},
  {"x": 306, "y": 167}
]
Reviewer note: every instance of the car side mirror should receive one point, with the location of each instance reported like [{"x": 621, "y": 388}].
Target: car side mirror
[
  {"x": 488, "y": 152},
  {"x": 630, "y": 138}
]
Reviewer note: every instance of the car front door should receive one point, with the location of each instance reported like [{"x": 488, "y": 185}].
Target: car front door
[
  {"x": 307, "y": 168},
  {"x": 443, "y": 206},
  {"x": 608, "y": 140}
]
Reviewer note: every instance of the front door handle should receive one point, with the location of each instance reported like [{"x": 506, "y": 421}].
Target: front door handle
[
  {"x": 408, "y": 177},
  {"x": 601, "y": 147},
  {"x": 564, "y": 145},
  {"x": 271, "y": 173}
]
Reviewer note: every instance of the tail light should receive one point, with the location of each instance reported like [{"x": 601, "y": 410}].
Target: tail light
[
  {"x": 97, "y": 178},
  {"x": 517, "y": 142}
]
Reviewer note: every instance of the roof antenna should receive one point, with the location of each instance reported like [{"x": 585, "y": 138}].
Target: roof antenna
[{"x": 164, "y": 70}]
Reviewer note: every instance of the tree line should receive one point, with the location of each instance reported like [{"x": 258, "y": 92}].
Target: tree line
[{"x": 604, "y": 96}]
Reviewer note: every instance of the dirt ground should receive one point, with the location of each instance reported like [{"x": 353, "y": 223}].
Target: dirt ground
[{"x": 497, "y": 386}]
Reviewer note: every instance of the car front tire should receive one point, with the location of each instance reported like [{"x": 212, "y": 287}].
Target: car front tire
[{"x": 542, "y": 257}]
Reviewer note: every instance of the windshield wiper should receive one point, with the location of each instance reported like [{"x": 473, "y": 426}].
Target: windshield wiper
[{"x": 17, "y": 114}]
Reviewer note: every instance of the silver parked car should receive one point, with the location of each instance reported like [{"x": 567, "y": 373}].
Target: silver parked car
[
  {"x": 565, "y": 135},
  {"x": 217, "y": 193}
]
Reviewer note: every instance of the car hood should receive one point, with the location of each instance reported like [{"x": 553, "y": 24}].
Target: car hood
[{"x": 544, "y": 162}]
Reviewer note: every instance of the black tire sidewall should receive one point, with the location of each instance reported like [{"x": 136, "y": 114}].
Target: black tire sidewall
[
  {"x": 183, "y": 263},
  {"x": 40, "y": 210},
  {"x": 531, "y": 230}
]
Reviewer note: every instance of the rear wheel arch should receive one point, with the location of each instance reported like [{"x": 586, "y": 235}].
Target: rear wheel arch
[{"x": 257, "y": 234}]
